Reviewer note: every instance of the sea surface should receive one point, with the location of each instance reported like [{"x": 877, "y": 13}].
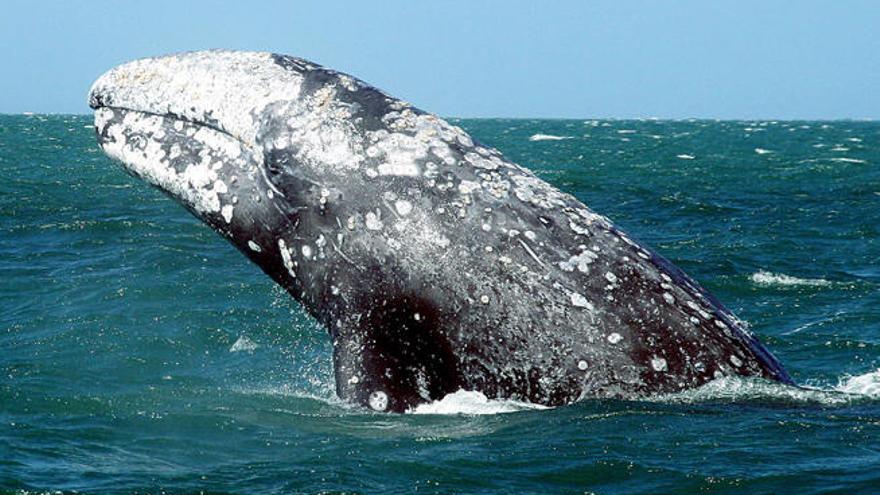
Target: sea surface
[{"x": 140, "y": 352}]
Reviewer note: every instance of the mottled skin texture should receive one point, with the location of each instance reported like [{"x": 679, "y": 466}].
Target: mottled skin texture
[{"x": 434, "y": 263}]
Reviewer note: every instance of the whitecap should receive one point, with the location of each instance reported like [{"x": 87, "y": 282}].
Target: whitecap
[
  {"x": 548, "y": 137},
  {"x": 848, "y": 160},
  {"x": 762, "y": 151},
  {"x": 768, "y": 278},
  {"x": 472, "y": 403},
  {"x": 684, "y": 156}
]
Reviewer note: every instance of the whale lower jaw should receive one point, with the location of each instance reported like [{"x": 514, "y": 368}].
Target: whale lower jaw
[{"x": 194, "y": 162}]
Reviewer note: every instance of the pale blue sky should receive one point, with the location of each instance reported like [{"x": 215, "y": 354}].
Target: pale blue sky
[{"x": 673, "y": 59}]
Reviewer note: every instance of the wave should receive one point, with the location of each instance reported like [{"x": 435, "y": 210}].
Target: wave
[
  {"x": 684, "y": 156},
  {"x": 762, "y": 151},
  {"x": 780, "y": 279},
  {"x": 848, "y": 390},
  {"x": 548, "y": 137},
  {"x": 848, "y": 160}
]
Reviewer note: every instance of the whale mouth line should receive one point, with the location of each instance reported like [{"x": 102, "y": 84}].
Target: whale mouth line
[{"x": 177, "y": 117}]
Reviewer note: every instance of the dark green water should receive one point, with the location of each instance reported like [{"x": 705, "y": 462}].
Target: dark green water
[{"x": 139, "y": 352}]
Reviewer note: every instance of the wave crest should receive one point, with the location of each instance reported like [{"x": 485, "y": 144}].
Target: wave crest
[{"x": 763, "y": 277}]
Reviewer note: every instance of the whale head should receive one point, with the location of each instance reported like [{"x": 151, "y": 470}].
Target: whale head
[{"x": 233, "y": 136}]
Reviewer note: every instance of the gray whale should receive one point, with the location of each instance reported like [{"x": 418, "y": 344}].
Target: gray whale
[{"x": 434, "y": 263}]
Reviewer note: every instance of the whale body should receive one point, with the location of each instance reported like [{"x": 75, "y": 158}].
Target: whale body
[{"x": 434, "y": 263}]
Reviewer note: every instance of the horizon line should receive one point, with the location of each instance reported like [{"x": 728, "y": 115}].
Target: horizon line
[{"x": 652, "y": 118}]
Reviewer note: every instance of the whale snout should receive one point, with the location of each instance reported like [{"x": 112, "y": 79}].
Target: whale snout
[
  {"x": 189, "y": 125},
  {"x": 224, "y": 90}
]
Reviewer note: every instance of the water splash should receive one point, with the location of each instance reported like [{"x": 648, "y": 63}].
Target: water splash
[
  {"x": 867, "y": 385},
  {"x": 473, "y": 403}
]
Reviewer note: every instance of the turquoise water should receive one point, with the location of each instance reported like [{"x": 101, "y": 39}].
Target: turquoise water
[{"x": 140, "y": 352}]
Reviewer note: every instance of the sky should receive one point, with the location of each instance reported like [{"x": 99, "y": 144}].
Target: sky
[{"x": 743, "y": 59}]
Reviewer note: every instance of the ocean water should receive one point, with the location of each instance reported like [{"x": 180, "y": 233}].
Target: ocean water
[{"x": 139, "y": 352}]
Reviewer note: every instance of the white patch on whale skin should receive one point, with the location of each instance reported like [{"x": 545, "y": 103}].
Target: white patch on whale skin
[
  {"x": 226, "y": 211},
  {"x": 373, "y": 221},
  {"x": 468, "y": 186},
  {"x": 403, "y": 207},
  {"x": 659, "y": 364},
  {"x": 254, "y": 246},
  {"x": 530, "y": 189},
  {"x": 404, "y": 169},
  {"x": 581, "y": 262},
  {"x": 322, "y": 133},
  {"x": 579, "y": 301},
  {"x": 286, "y": 257},
  {"x": 102, "y": 118}
]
